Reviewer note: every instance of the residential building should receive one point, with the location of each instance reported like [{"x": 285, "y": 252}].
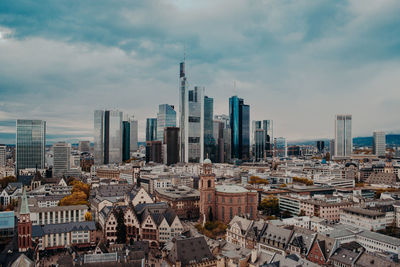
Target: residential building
[
  {"x": 239, "y": 114},
  {"x": 343, "y": 136},
  {"x": 30, "y": 144},
  {"x": 324, "y": 209}
]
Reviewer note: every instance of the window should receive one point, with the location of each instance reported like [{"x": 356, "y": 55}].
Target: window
[
  {"x": 209, "y": 198},
  {"x": 209, "y": 184},
  {"x": 230, "y": 212}
]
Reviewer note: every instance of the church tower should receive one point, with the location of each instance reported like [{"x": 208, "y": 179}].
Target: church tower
[
  {"x": 24, "y": 225},
  {"x": 207, "y": 193}
]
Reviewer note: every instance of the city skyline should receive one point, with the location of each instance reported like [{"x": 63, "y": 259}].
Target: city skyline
[{"x": 280, "y": 59}]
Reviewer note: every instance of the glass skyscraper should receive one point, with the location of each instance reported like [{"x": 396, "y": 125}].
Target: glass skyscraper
[
  {"x": 210, "y": 148},
  {"x": 281, "y": 147},
  {"x": 166, "y": 117},
  {"x": 126, "y": 140},
  {"x": 151, "y": 129},
  {"x": 239, "y": 115},
  {"x": 267, "y": 126},
  {"x": 30, "y": 144},
  {"x": 107, "y": 136},
  {"x": 343, "y": 136}
]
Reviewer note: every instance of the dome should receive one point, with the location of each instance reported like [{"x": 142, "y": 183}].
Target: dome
[{"x": 207, "y": 161}]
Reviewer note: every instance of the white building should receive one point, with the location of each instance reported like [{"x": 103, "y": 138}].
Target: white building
[
  {"x": 363, "y": 218},
  {"x": 343, "y": 136},
  {"x": 379, "y": 146},
  {"x": 62, "y": 158}
]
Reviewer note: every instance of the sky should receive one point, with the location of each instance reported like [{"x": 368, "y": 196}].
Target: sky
[{"x": 296, "y": 62}]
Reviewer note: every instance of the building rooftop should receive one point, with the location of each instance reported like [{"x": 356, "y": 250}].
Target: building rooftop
[
  {"x": 364, "y": 212},
  {"x": 231, "y": 189},
  {"x": 178, "y": 192},
  {"x": 7, "y": 219},
  {"x": 380, "y": 237}
]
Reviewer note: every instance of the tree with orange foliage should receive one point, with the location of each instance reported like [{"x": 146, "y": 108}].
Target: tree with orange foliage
[
  {"x": 88, "y": 216},
  {"x": 257, "y": 180}
]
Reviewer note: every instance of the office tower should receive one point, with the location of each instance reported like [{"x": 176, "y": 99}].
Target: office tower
[
  {"x": 84, "y": 146},
  {"x": 3, "y": 157},
  {"x": 240, "y": 128},
  {"x": 183, "y": 113},
  {"x": 107, "y": 136},
  {"x": 154, "y": 151},
  {"x": 320, "y": 146},
  {"x": 293, "y": 151},
  {"x": 379, "y": 146},
  {"x": 195, "y": 122},
  {"x": 171, "y": 145},
  {"x": 126, "y": 140},
  {"x": 281, "y": 147},
  {"x": 30, "y": 144},
  {"x": 210, "y": 148},
  {"x": 134, "y": 135},
  {"x": 62, "y": 158},
  {"x": 224, "y": 119},
  {"x": 343, "y": 137},
  {"x": 98, "y": 149},
  {"x": 166, "y": 117},
  {"x": 267, "y": 126},
  {"x": 218, "y": 134},
  {"x": 332, "y": 147},
  {"x": 259, "y": 144},
  {"x": 151, "y": 129}
]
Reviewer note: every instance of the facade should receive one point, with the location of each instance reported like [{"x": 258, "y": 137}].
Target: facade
[
  {"x": 194, "y": 150},
  {"x": 239, "y": 115},
  {"x": 223, "y": 202},
  {"x": 166, "y": 117},
  {"x": 343, "y": 136},
  {"x": 222, "y": 137},
  {"x": 321, "y": 146},
  {"x": 379, "y": 145},
  {"x": 259, "y": 144},
  {"x": 61, "y": 164},
  {"x": 7, "y": 223},
  {"x": 267, "y": 126},
  {"x": 151, "y": 129},
  {"x": 154, "y": 151},
  {"x": 30, "y": 144},
  {"x": 290, "y": 204},
  {"x": 134, "y": 128},
  {"x": 363, "y": 218},
  {"x": 280, "y": 147},
  {"x": 108, "y": 136},
  {"x": 171, "y": 145},
  {"x": 182, "y": 199},
  {"x": 210, "y": 148},
  {"x": 322, "y": 209},
  {"x": 3, "y": 158},
  {"x": 126, "y": 140}
]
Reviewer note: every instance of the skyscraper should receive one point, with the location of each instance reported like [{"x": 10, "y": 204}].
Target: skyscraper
[
  {"x": 134, "y": 135},
  {"x": 171, "y": 145},
  {"x": 126, "y": 140},
  {"x": 84, "y": 146},
  {"x": 379, "y": 146},
  {"x": 239, "y": 114},
  {"x": 183, "y": 113},
  {"x": 151, "y": 129},
  {"x": 281, "y": 147},
  {"x": 267, "y": 126},
  {"x": 343, "y": 137},
  {"x": 31, "y": 142},
  {"x": 210, "y": 148},
  {"x": 320, "y": 146},
  {"x": 259, "y": 144},
  {"x": 166, "y": 117},
  {"x": 107, "y": 136},
  {"x": 62, "y": 153}
]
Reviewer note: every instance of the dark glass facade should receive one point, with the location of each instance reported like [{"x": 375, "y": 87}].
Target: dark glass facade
[
  {"x": 209, "y": 140},
  {"x": 239, "y": 114},
  {"x": 171, "y": 142},
  {"x": 151, "y": 129},
  {"x": 126, "y": 140}
]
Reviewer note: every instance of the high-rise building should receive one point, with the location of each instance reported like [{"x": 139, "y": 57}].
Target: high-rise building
[
  {"x": 183, "y": 113},
  {"x": 134, "y": 135},
  {"x": 107, "y": 136},
  {"x": 84, "y": 146},
  {"x": 30, "y": 144},
  {"x": 343, "y": 136},
  {"x": 267, "y": 126},
  {"x": 210, "y": 148},
  {"x": 332, "y": 147},
  {"x": 259, "y": 144},
  {"x": 280, "y": 147},
  {"x": 171, "y": 145},
  {"x": 320, "y": 146},
  {"x": 3, "y": 158},
  {"x": 222, "y": 136},
  {"x": 126, "y": 140},
  {"x": 379, "y": 146},
  {"x": 61, "y": 164},
  {"x": 154, "y": 151},
  {"x": 151, "y": 129},
  {"x": 166, "y": 117},
  {"x": 240, "y": 128}
]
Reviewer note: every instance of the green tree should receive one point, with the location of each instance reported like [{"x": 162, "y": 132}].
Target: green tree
[
  {"x": 269, "y": 206},
  {"x": 121, "y": 227},
  {"x": 6, "y": 180}
]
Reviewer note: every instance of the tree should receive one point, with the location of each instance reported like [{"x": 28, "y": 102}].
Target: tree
[
  {"x": 257, "y": 180},
  {"x": 269, "y": 206},
  {"x": 76, "y": 198},
  {"x": 121, "y": 227},
  {"x": 88, "y": 216},
  {"x": 286, "y": 214},
  {"x": 6, "y": 180}
]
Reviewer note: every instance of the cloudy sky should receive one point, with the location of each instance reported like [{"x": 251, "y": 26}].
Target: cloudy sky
[{"x": 296, "y": 62}]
